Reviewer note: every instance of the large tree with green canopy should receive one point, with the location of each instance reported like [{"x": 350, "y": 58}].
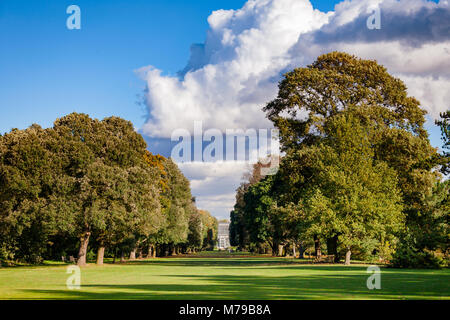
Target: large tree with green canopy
[
  {"x": 99, "y": 156},
  {"x": 27, "y": 178},
  {"x": 338, "y": 83},
  {"x": 350, "y": 196},
  {"x": 86, "y": 179}
]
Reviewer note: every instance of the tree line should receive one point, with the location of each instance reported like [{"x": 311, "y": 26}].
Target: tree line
[
  {"x": 88, "y": 188},
  {"x": 358, "y": 176}
]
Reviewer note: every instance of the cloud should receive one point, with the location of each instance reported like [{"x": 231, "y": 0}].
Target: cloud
[
  {"x": 220, "y": 205},
  {"x": 234, "y": 73},
  {"x": 214, "y": 184},
  {"x": 231, "y": 76},
  {"x": 411, "y": 22},
  {"x": 434, "y": 93},
  {"x": 413, "y": 43}
]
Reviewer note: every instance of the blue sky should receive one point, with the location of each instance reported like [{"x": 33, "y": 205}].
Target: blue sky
[{"x": 48, "y": 71}]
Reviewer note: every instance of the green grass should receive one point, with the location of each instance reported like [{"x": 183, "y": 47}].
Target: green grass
[{"x": 222, "y": 277}]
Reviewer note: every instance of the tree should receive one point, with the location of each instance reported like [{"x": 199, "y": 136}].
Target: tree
[
  {"x": 209, "y": 230},
  {"x": 425, "y": 243},
  {"x": 333, "y": 83},
  {"x": 195, "y": 235},
  {"x": 258, "y": 203},
  {"x": 177, "y": 207},
  {"x": 130, "y": 207},
  {"x": 336, "y": 190},
  {"x": 97, "y": 154},
  {"x": 352, "y": 196},
  {"x": 26, "y": 179},
  {"x": 239, "y": 235},
  {"x": 337, "y": 83},
  {"x": 93, "y": 181},
  {"x": 444, "y": 124}
]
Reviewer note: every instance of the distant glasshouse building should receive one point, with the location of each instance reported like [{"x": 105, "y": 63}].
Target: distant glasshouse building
[{"x": 223, "y": 236}]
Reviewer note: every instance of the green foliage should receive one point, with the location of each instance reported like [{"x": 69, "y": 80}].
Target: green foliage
[
  {"x": 177, "y": 207},
  {"x": 444, "y": 124},
  {"x": 86, "y": 179},
  {"x": 258, "y": 202},
  {"x": 210, "y": 227},
  {"x": 408, "y": 256},
  {"x": 425, "y": 241},
  {"x": 25, "y": 183},
  {"x": 239, "y": 234},
  {"x": 333, "y": 83},
  {"x": 195, "y": 236},
  {"x": 358, "y": 167},
  {"x": 351, "y": 195}
]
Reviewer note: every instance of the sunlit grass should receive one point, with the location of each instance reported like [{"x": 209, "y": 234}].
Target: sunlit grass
[{"x": 230, "y": 277}]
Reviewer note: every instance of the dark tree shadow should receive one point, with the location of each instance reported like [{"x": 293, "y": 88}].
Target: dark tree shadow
[{"x": 321, "y": 282}]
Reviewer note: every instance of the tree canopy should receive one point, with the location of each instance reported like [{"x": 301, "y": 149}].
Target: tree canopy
[
  {"x": 358, "y": 170},
  {"x": 91, "y": 182}
]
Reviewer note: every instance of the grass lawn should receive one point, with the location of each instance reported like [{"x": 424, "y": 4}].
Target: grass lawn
[{"x": 222, "y": 277}]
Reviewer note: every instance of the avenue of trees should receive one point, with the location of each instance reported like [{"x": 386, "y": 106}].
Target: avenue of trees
[
  {"x": 89, "y": 189},
  {"x": 358, "y": 177}
]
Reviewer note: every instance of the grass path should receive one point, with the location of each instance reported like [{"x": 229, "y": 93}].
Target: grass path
[{"x": 203, "y": 278}]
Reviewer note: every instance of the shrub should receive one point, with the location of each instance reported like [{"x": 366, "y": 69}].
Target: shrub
[{"x": 409, "y": 257}]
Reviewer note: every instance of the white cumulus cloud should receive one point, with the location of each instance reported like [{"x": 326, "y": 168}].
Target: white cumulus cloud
[
  {"x": 235, "y": 72},
  {"x": 214, "y": 184},
  {"x": 230, "y": 77}
]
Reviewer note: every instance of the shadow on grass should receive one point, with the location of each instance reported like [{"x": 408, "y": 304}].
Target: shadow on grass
[
  {"x": 219, "y": 262},
  {"x": 312, "y": 282}
]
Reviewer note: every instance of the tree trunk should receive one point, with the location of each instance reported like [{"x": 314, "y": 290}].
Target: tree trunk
[
  {"x": 280, "y": 250},
  {"x": 174, "y": 251},
  {"x": 133, "y": 254},
  {"x": 332, "y": 245},
  {"x": 122, "y": 256},
  {"x": 274, "y": 247},
  {"x": 347, "y": 257},
  {"x": 100, "y": 255},
  {"x": 294, "y": 253},
  {"x": 84, "y": 241},
  {"x": 318, "y": 250},
  {"x": 149, "y": 252},
  {"x": 115, "y": 255},
  {"x": 301, "y": 252},
  {"x": 154, "y": 251}
]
